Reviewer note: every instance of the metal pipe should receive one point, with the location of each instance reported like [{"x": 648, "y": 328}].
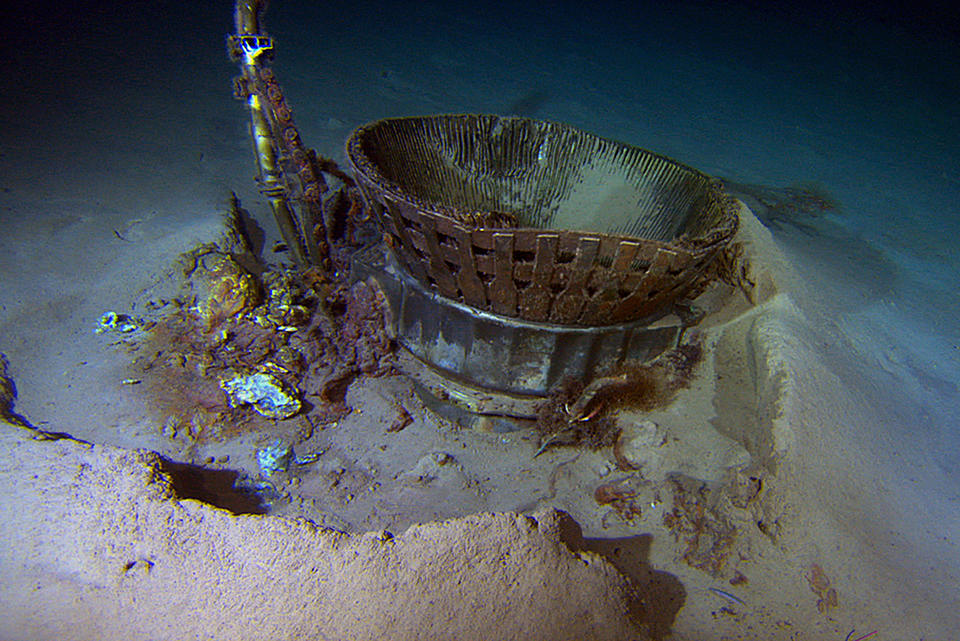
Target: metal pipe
[
  {"x": 249, "y": 45},
  {"x": 246, "y": 18}
]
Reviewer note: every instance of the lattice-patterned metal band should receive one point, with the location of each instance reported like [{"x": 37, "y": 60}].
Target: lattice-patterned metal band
[{"x": 539, "y": 220}]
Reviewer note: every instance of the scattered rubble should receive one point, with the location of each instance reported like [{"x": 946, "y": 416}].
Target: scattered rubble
[{"x": 268, "y": 396}]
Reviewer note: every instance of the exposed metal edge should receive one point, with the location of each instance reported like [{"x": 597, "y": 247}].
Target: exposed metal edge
[
  {"x": 487, "y": 362},
  {"x": 466, "y": 397}
]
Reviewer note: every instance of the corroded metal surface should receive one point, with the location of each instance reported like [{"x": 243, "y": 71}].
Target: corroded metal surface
[
  {"x": 538, "y": 220},
  {"x": 290, "y": 172},
  {"x": 495, "y": 364}
]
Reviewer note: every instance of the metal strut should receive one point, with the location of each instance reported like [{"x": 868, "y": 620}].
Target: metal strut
[{"x": 276, "y": 139}]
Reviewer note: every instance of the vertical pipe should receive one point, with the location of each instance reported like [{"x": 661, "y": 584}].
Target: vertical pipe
[{"x": 251, "y": 46}]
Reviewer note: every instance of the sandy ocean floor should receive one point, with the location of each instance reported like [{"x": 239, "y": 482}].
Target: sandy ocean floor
[{"x": 816, "y": 448}]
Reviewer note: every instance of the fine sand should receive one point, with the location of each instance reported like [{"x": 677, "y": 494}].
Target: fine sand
[
  {"x": 802, "y": 486},
  {"x": 103, "y": 541}
]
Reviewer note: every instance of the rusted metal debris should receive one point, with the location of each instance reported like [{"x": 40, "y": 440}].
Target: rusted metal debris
[{"x": 289, "y": 170}]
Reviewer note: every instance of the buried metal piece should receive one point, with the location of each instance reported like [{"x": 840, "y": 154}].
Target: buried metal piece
[
  {"x": 269, "y": 396},
  {"x": 492, "y": 364},
  {"x": 521, "y": 254},
  {"x": 114, "y": 322},
  {"x": 274, "y": 458}
]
